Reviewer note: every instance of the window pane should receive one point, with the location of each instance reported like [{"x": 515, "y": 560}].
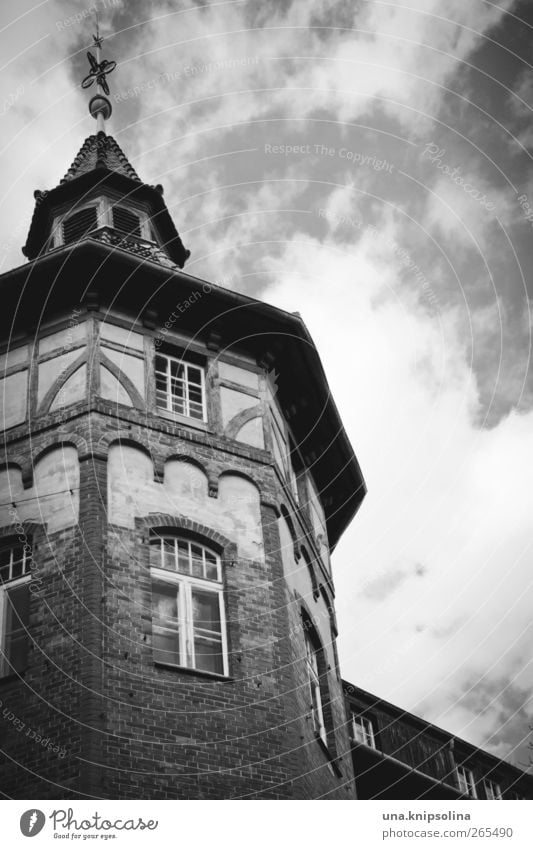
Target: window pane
[
  {"x": 184, "y": 565},
  {"x": 165, "y": 602},
  {"x": 166, "y": 646},
  {"x": 155, "y": 553},
  {"x": 17, "y": 569},
  {"x": 195, "y": 375},
  {"x": 16, "y": 640},
  {"x": 177, "y": 370},
  {"x": 169, "y": 554},
  {"x": 179, "y": 387},
  {"x": 178, "y": 405},
  {"x": 208, "y": 655},
  {"x": 195, "y": 393},
  {"x": 5, "y": 557},
  {"x": 211, "y": 568},
  {"x": 206, "y": 610},
  {"x": 17, "y": 607},
  {"x": 197, "y": 561}
]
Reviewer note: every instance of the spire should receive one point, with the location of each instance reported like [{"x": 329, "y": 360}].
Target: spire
[
  {"x": 100, "y": 151},
  {"x": 99, "y": 105},
  {"x": 101, "y": 198}
]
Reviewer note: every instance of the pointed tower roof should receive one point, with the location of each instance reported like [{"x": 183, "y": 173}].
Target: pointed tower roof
[
  {"x": 101, "y": 170},
  {"x": 100, "y": 165},
  {"x": 100, "y": 151}
]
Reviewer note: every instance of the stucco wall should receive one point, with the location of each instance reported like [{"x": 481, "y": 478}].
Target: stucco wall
[
  {"x": 132, "y": 492},
  {"x": 54, "y": 497},
  {"x": 13, "y": 399}
]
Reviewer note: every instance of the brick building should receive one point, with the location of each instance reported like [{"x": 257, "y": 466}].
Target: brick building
[
  {"x": 397, "y": 755},
  {"x": 175, "y": 474}
]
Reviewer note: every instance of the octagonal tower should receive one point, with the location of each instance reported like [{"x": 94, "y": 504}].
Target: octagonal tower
[{"x": 175, "y": 477}]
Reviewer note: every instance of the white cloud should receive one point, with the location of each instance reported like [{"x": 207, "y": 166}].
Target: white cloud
[
  {"x": 433, "y": 577},
  {"x": 441, "y": 492}
]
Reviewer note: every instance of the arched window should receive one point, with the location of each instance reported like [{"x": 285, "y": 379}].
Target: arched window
[
  {"x": 188, "y": 621},
  {"x": 15, "y": 564},
  {"x": 314, "y": 664}
]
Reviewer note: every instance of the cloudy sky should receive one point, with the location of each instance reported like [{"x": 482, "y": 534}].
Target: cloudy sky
[{"x": 369, "y": 164}]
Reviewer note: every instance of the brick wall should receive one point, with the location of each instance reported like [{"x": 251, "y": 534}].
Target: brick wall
[{"x": 91, "y": 684}]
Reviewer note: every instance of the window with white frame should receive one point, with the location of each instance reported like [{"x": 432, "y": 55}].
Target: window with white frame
[
  {"x": 492, "y": 789},
  {"x": 312, "y": 651},
  {"x": 15, "y": 565},
  {"x": 180, "y": 387},
  {"x": 188, "y": 620},
  {"x": 465, "y": 778},
  {"x": 363, "y": 730}
]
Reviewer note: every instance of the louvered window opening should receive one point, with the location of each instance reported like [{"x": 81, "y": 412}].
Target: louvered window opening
[
  {"x": 76, "y": 226},
  {"x": 126, "y": 222}
]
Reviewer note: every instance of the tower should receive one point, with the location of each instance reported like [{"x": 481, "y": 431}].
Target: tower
[{"x": 174, "y": 479}]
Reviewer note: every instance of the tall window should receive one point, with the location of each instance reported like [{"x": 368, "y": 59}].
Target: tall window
[
  {"x": 492, "y": 789},
  {"x": 363, "y": 730},
  {"x": 15, "y": 562},
  {"x": 312, "y": 653},
  {"x": 188, "y": 622},
  {"x": 284, "y": 452},
  {"x": 180, "y": 387},
  {"x": 465, "y": 778}
]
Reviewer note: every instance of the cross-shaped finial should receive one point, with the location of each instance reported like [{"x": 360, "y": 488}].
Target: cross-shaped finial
[{"x": 97, "y": 38}]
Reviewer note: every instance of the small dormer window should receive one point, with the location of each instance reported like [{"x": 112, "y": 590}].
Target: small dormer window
[
  {"x": 77, "y": 225},
  {"x": 126, "y": 222}
]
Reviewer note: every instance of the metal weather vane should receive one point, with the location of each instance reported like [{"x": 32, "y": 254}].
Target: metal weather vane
[
  {"x": 98, "y": 71},
  {"x": 99, "y": 106}
]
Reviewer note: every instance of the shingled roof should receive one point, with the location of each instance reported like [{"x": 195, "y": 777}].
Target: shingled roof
[
  {"x": 100, "y": 151},
  {"x": 101, "y": 162}
]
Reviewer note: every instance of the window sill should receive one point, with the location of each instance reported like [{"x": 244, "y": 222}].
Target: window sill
[
  {"x": 179, "y": 419},
  {"x": 214, "y": 676}
]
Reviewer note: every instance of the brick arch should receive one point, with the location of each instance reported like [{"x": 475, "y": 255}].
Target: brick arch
[
  {"x": 206, "y": 467},
  {"x": 29, "y": 525},
  {"x": 11, "y": 463},
  {"x": 191, "y": 526},
  {"x": 188, "y": 458},
  {"x": 125, "y": 437},
  {"x": 239, "y": 474},
  {"x": 23, "y": 465},
  {"x": 57, "y": 440}
]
